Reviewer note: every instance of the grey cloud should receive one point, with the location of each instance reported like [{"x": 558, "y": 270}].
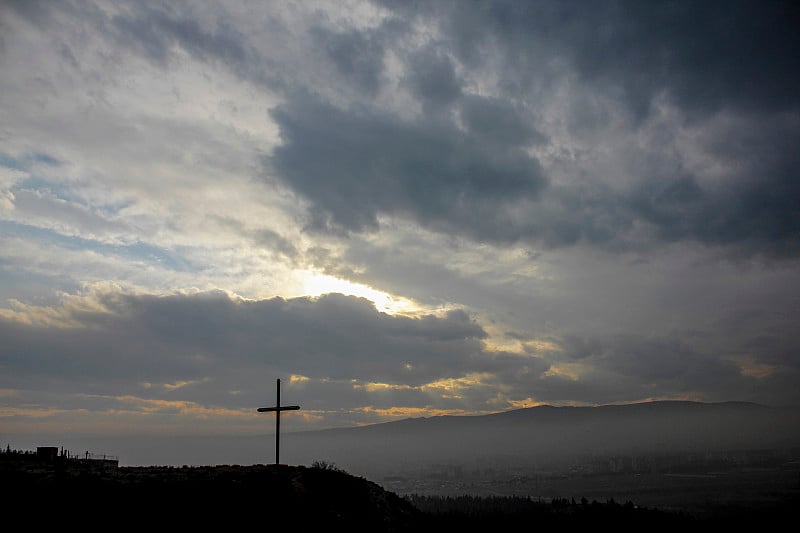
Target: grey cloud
[
  {"x": 262, "y": 237},
  {"x": 411, "y": 274},
  {"x": 755, "y": 208},
  {"x": 218, "y": 344},
  {"x": 355, "y": 163},
  {"x": 432, "y": 79},
  {"x": 482, "y": 184},
  {"x": 150, "y": 29},
  {"x": 707, "y": 58},
  {"x": 367, "y": 163},
  {"x": 155, "y": 31},
  {"x": 780, "y": 389},
  {"x": 276, "y": 242},
  {"x": 576, "y": 347},
  {"x": 775, "y": 349},
  {"x": 657, "y": 366},
  {"x": 497, "y": 121},
  {"x": 234, "y": 343},
  {"x": 579, "y": 298},
  {"x": 662, "y": 360},
  {"x": 522, "y": 372},
  {"x": 71, "y": 218},
  {"x": 708, "y": 54},
  {"x": 152, "y": 338},
  {"x": 35, "y": 11},
  {"x": 358, "y": 56}
]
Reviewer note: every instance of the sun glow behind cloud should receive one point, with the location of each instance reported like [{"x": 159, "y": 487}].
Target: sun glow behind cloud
[{"x": 315, "y": 284}]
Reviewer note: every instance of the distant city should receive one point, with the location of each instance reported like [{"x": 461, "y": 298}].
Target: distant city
[{"x": 666, "y": 480}]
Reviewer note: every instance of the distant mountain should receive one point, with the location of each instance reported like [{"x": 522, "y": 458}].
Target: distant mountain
[
  {"x": 539, "y": 436},
  {"x": 547, "y": 434}
]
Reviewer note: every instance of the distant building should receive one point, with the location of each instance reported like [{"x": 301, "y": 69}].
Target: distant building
[{"x": 47, "y": 453}]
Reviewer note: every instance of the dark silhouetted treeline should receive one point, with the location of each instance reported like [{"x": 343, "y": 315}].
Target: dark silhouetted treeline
[{"x": 472, "y": 513}]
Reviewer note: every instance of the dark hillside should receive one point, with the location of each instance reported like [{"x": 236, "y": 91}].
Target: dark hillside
[{"x": 62, "y": 494}]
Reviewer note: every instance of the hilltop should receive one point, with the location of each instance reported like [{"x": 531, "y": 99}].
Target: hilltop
[{"x": 61, "y": 493}]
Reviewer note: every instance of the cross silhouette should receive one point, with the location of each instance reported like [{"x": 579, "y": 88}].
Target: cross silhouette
[{"x": 278, "y": 408}]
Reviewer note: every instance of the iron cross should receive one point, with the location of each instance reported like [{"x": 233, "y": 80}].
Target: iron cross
[{"x": 278, "y": 408}]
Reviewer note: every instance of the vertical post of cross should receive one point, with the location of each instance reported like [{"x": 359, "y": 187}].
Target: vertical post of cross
[
  {"x": 278, "y": 425},
  {"x": 278, "y": 408}
]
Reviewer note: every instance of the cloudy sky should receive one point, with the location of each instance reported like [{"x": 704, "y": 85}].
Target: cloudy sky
[{"x": 398, "y": 208}]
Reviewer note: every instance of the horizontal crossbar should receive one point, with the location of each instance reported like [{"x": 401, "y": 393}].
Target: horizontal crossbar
[{"x": 281, "y": 408}]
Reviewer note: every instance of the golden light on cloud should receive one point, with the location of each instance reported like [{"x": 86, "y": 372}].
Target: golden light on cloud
[
  {"x": 571, "y": 371},
  {"x": 181, "y": 384},
  {"x": 451, "y": 397},
  {"x": 297, "y": 378},
  {"x": 39, "y": 315},
  {"x": 174, "y": 386},
  {"x": 185, "y": 408},
  {"x": 147, "y": 416},
  {"x": 65, "y": 315},
  {"x": 441, "y": 386},
  {"x": 454, "y": 384},
  {"x": 500, "y": 341},
  {"x": 749, "y": 367},
  {"x": 543, "y": 346},
  {"x": 523, "y": 404},
  {"x": 34, "y": 412},
  {"x": 315, "y": 284},
  {"x": 129, "y": 406},
  {"x": 310, "y": 417},
  {"x": 409, "y": 412},
  {"x": 379, "y": 387}
]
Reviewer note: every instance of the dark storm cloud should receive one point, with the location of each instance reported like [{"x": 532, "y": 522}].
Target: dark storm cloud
[
  {"x": 432, "y": 79},
  {"x": 222, "y": 344},
  {"x": 756, "y": 207},
  {"x": 707, "y": 54},
  {"x": 475, "y": 179},
  {"x": 497, "y": 121},
  {"x": 358, "y": 56},
  {"x": 356, "y": 164},
  {"x": 152, "y": 338},
  {"x": 777, "y": 350},
  {"x": 577, "y": 348},
  {"x": 613, "y": 368},
  {"x": 664, "y": 361},
  {"x": 620, "y": 366}
]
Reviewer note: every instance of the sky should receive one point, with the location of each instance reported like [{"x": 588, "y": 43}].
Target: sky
[{"x": 400, "y": 209}]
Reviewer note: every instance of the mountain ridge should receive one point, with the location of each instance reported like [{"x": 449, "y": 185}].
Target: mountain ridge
[
  {"x": 550, "y": 434},
  {"x": 539, "y": 408}
]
